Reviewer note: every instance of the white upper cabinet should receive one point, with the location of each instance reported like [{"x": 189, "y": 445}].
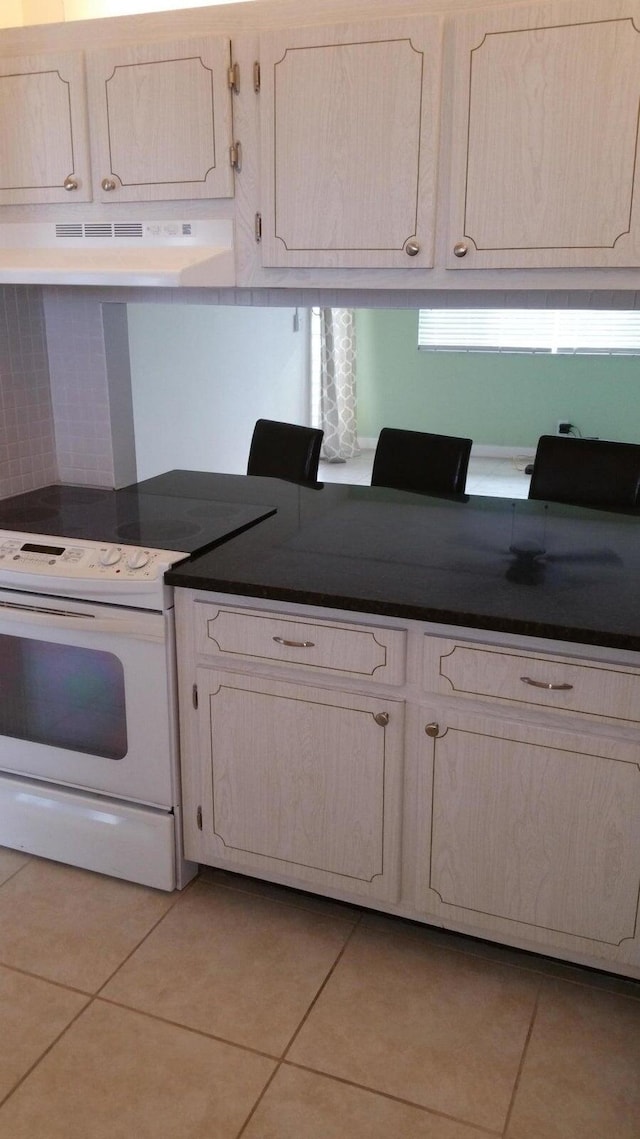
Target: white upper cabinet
[
  {"x": 544, "y": 166},
  {"x": 349, "y": 121},
  {"x": 161, "y": 120},
  {"x": 44, "y": 155}
]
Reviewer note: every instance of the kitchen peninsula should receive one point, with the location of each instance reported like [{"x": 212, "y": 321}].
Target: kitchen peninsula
[{"x": 429, "y": 706}]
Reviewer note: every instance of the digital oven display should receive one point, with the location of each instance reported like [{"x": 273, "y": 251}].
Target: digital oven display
[{"x": 33, "y": 548}]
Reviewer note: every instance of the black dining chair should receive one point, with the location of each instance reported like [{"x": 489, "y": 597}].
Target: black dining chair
[
  {"x": 285, "y": 451},
  {"x": 586, "y": 472},
  {"x": 420, "y": 461}
]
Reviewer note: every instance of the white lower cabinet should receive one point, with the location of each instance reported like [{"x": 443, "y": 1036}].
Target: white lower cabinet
[
  {"x": 418, "y": 774},
  {"x": 532, "y": 833},
  {"x": 300, "y": 781}
]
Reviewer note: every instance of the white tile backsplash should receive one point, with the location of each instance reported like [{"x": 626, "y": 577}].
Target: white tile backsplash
[{"x": 27, "y": 439}]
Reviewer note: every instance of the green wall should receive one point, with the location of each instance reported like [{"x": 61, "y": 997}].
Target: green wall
[{"x": 505, "y": 400}]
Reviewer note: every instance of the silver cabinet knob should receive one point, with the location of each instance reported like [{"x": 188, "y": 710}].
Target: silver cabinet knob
[
  {"x": 70, "y": 183},
  {"x": 108, "y": 184},
  {"x": 432, "y": 730},
  {"x": 412, "y": 248},
  {"x": 381, "y": 719},
  {"x": 460, "y": 249}
]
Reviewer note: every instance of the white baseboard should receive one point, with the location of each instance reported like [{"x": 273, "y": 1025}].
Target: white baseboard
[{"x": 478, "y": 450}]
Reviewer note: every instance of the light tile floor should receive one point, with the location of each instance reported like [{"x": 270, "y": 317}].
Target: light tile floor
[
  {"x": 502, "y": 478},
  {"x": 241, "y": 1009}
]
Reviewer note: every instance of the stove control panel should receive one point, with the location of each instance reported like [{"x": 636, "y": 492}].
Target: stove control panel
[{"x": 66, "y": 558}]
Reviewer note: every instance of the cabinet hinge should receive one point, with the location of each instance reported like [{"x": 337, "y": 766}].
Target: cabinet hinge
[
  {"x": 235, "y": 156},
  {"x": 194, "y": 695},
  {"x": 199, "y": 818},
  {"x": 233, "y": 78},
  {"x": 256, "y": 76},
  {"x": 258, "y": 227}
]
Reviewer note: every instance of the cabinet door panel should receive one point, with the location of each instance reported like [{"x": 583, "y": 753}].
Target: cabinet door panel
[
  {"x": 546, "y": 135},
  {"x": 349, "y": 134},
  {"x": 304, "y": 781},
  {"x": 536, "y": 828},
  {"x": 162, "y": 118},
  {"x": 43, "y": 130}
]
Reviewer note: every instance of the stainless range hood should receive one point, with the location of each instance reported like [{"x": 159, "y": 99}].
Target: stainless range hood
[{"x": 165, "y": 254}]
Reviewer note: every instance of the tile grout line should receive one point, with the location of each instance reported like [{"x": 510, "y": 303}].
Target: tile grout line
[
  {"x": 395, "y": 1098},
  {"x": 522, "y": 1062},
  {"x": 73, "y": 988},
  {"x": 45, "y": 980},
  {"x": 15, "y": 872},
  {"x": 182, "y": 894},
  {"x": 312, "y": 1005},
  {"x": 46, "y": 1052},
  {"x": 185, "y": 1027},
  {"x": 91, "y": 998}
]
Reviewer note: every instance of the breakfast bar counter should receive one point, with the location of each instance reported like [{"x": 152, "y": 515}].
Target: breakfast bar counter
[{"x": 513, "y": 566}]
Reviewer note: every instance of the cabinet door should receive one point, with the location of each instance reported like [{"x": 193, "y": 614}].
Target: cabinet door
[
  {"x": 545, "y": 138},
  {"x": 161, "y": 121},
  {"x": 349, "y": 127},
  {"x": 302, "y": 783},
  {"x": 535, "y": 832},
  {"x": 44, "y": 153}
]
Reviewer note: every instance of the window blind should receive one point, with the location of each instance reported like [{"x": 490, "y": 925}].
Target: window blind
[{"x": 568, "y": 331}]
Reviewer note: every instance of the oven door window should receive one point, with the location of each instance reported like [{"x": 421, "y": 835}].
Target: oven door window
[{"x": 62, "y": 696}]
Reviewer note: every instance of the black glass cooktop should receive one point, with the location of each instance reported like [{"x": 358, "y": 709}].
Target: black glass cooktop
[{"x": 129, "y": 516}]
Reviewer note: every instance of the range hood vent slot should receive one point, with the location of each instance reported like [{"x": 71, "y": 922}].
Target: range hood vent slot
[
  {"x": 69, "y": 229},
  {"x": 127, "y": 229},
  {"x": 98, "y": 229}
]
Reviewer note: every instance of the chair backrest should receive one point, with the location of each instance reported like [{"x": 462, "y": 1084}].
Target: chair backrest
[
  {"x": 586, "y": 472},
  {"x": 285, "y": 451},
  {"x": 420, "y": 461}
]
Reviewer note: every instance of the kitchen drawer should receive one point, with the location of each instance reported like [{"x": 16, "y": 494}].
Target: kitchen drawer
[
  {"x": 536, "y": 679},
  {"x": 355, "y": 650}
]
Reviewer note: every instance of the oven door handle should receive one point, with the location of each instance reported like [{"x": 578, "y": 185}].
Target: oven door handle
[{"x": 144, "y": 626}]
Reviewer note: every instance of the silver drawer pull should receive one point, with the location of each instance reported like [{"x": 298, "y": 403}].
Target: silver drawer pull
[
  {"x": 294, "y": 644},
  {"x": 549, "y": 687}
]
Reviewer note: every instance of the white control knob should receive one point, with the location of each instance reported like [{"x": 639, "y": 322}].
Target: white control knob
[
  {"x": 137, "y": 559},
  {"x": 110, "y": 557}
]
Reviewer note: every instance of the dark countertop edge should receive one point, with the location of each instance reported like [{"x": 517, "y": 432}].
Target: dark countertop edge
[{"x": 517, "y": 627}]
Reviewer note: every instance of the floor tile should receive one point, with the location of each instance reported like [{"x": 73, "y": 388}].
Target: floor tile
[
  {"x": 438, "y": 1028},
  {"x": 314, "y": 902},
  {"x": 10, "y": 862},
  {"x": 118, "y": 1075},
  {"x": 304, "y": 1105},
  {"x": 72, "y": 926},
  {"x": 238, "y": 966},
  {"x": 32, "y": 1014},
  {"x": 581, "y": 1076}
]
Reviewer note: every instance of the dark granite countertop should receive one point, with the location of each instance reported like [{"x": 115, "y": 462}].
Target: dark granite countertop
[{"x": 513, "y": 566}]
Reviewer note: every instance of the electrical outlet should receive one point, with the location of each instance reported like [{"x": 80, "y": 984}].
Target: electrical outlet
[{"x": 564, "y": 427}]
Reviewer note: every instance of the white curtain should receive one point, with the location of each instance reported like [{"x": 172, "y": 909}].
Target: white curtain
[{"x": 338, "y": 408}]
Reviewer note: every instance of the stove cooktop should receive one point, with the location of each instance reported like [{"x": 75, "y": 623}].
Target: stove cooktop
[{"x": 152, "y": 521}]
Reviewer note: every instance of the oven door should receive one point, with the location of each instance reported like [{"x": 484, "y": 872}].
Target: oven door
[{"x": 86, "y": 696}]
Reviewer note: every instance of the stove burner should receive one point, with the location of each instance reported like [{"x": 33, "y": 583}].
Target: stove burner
[{"x": 157, "y": 533}]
